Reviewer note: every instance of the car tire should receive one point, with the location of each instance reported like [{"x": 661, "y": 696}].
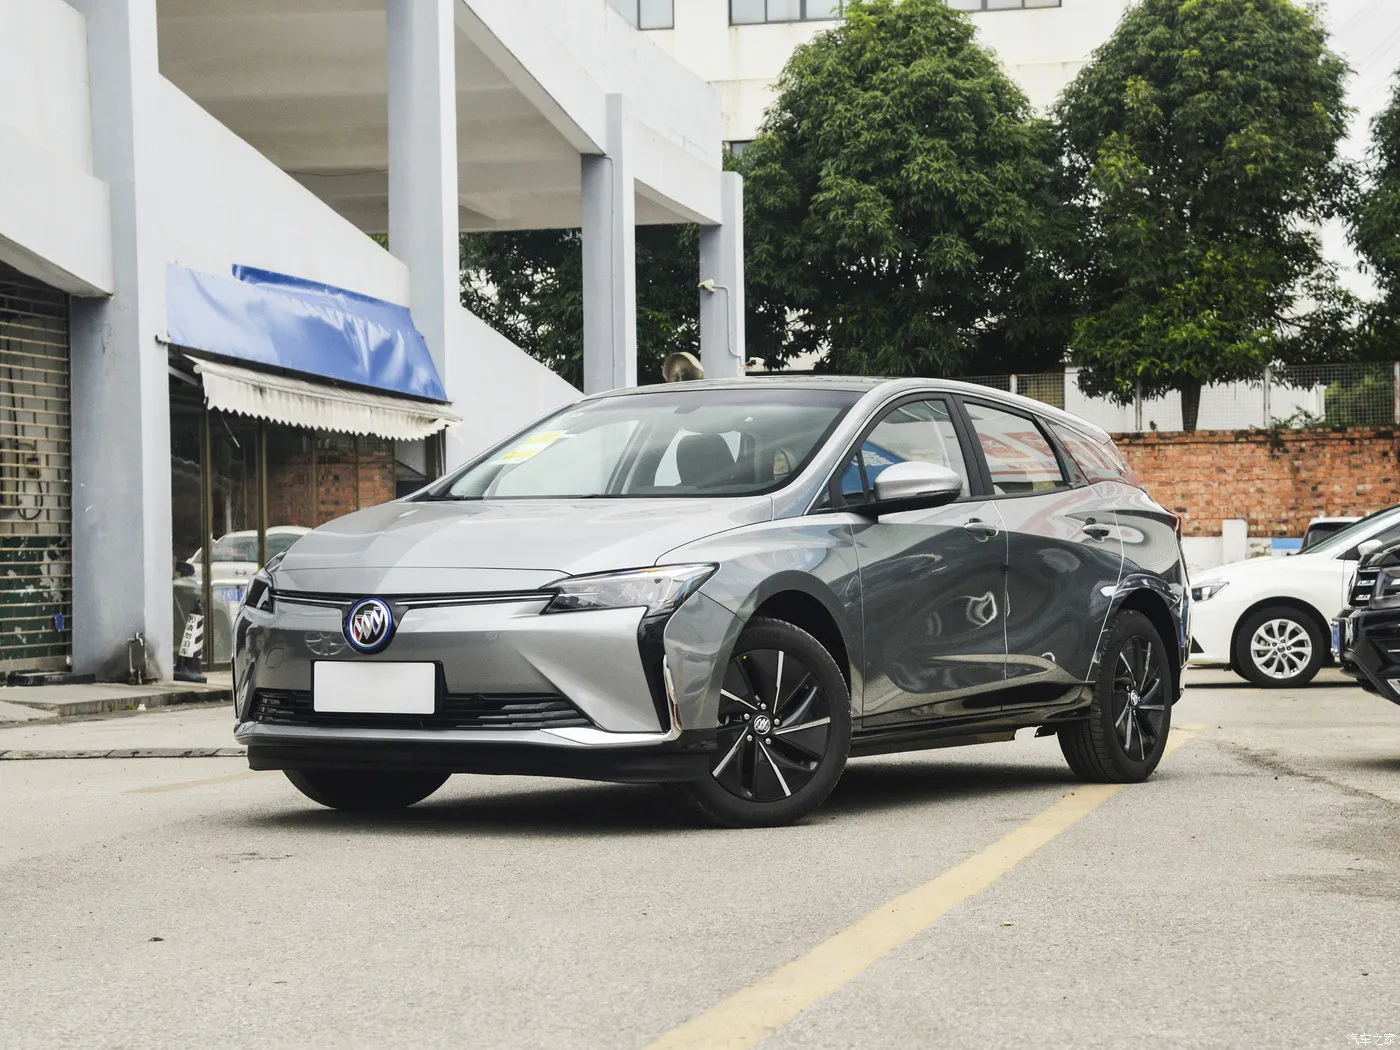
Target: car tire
[
  {"x": 1277, "y": 647},
  {"x": 777, "y": 674},
  {"x": 365, "y": 791},
  {"x": 1124, "y": 736}
]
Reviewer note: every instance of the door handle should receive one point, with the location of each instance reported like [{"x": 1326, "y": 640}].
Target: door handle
[
  {"x": 981, "y": 529},
  {"x": 1095, "y": 530}
]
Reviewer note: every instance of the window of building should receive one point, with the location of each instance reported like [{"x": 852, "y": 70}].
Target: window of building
[
  {"x": 1000, "y": 5},
  {"x": 736, "y": 148},
  {"x": 754, "y": 12},
  {"x": 647, "y": 14}
]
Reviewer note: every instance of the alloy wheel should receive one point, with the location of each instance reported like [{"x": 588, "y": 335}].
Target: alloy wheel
[
  {"x": 1139, "y": 697},
  {"x": 775, "y": 726},
  {"x": 1281, "y": 648}
]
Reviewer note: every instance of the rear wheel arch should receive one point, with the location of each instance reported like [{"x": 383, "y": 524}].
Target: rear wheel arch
[{"x": 1154, "y": 606}]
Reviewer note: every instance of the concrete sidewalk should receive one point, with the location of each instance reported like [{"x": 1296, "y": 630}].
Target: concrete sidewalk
[
  {"x": 170, "y": 732},
  {"x": 29, "y": 703}
]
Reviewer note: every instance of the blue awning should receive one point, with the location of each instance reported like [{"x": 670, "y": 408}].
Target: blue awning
[{"x": 313, "y": 329}]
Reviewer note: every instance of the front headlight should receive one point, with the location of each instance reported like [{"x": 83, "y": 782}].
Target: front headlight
[
  {"x": 658, "y": 590},
  {"x": 1204, "y": 592},
  {"x": 259, "y": 594}
]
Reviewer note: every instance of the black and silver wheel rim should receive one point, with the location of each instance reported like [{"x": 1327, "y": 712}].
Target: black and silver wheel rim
[
  {"x": 1139, "y": 698},
  {"x": 775, "y": 726}
]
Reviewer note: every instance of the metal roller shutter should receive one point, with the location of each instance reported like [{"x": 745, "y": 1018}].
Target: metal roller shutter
[{"x": 36, "y": 508}]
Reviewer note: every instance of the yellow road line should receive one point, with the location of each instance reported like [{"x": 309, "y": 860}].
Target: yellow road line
[
  {"x": 762, "y": 1008},
  {"x": 200, "y": 783}
]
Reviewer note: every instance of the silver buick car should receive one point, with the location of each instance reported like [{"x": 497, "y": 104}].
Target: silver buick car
[{"x": 729, "y": 585}]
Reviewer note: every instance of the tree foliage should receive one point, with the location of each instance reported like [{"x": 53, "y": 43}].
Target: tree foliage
[
  {"x": 529, "y": 286},
  {"x": 1375, "y": 231},
  {"x": 896, "y": 197},
  {"x": 1200, "y": 156}
]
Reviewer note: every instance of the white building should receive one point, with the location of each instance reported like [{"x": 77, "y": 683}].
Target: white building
[
  {"x": 201, "y": 334},
  {"x": 741, "y": 46}
]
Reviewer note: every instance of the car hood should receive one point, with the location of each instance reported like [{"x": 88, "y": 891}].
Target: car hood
[
  {"x": 470, "y": 546},
  {"x": 1259, "y": 568}
]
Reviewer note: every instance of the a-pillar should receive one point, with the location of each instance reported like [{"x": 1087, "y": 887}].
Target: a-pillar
[
  {"x": 423, "y": 210},
  {"x": 610, "y": 260},
  {"x": 122, "y": 556},
  {"x": 722, "y": 303}
]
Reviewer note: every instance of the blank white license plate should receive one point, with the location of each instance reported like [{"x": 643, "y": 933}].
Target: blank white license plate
[{"x": 374, "y": 688}]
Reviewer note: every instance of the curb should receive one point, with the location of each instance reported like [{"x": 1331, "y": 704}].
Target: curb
[
  {"x": 135, "y": 702},
  {"x": 21, "y": 755}
]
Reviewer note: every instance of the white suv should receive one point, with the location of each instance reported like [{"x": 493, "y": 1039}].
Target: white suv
[{"x": 1268, "y": 618}]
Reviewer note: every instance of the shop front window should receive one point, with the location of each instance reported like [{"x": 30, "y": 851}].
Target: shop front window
[{"x": 244, "y": 491}]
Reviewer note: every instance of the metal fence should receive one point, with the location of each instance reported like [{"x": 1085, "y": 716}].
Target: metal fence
[{"x": 1295, "y": 397}]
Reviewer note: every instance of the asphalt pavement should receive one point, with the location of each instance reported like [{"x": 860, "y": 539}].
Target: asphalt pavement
[{"x": 1248, "y": 895}]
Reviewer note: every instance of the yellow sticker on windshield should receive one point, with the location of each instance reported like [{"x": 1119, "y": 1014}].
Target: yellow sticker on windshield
[{"x": 532, "y": 446}]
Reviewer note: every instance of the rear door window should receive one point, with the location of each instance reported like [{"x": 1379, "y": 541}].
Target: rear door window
[{"x": 1019, "y": 456}]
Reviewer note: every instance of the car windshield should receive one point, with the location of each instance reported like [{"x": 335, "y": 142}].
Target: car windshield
[
  {"x": 236, "y": 547},
  {"x": 278, "y": 543},
  {"x": 683, "y": 442},
  {"x": 1356, "y": 531}
]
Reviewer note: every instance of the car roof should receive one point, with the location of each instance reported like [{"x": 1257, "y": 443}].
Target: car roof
[{"x": 873, "y": 385}]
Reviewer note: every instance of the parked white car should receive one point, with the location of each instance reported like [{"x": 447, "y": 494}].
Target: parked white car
[
  {"x": 1268, "y": 619},
  {"x": 235, "y": 557}
]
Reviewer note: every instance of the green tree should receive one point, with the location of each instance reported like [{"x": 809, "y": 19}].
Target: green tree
[
  {"x": 1200, "y": 151},
  {"x": 529, "y": 287},
  {"x": 1375, "y": 231},
  {"x": 897, "y": 203}
]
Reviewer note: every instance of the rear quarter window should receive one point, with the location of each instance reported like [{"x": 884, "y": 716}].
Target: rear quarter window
[{"x": 1098, "y": 461}]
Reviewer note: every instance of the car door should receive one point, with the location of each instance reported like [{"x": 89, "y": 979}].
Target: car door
[
  {"x": 932, "y": 581},
  {"x": 1065, "y": 553}
]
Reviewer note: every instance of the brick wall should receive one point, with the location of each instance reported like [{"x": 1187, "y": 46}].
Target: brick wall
[
  {"x": 1276, "y": 480},
  {"x": 347, "y": 478}
]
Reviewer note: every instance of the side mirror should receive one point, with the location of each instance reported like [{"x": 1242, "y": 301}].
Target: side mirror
[
  {"x": 914, "y": 486},
  {"x": 1367, "y": 548}
]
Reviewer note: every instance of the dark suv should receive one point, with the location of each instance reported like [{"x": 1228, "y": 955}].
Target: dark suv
[{"x": 1366, "y": 635}]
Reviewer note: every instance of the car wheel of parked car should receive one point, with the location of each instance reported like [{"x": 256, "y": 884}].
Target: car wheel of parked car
[
  {"x": 784, "y": 734},
  {"x": 1124, "y": 736},
  {"x": 364, "y": 790},
  {"x": 1279, "y": 646}
]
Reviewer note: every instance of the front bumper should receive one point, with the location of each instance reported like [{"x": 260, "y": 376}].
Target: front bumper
[
  {"x": 1366, "y": 646},
  {"x": 1212, "y": 630},
  {"x": 623, "y": 758},
  {"x": 603, "y": 695}
]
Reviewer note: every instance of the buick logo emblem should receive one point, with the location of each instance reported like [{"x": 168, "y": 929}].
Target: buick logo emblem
[{"x": 369, "y": 625}]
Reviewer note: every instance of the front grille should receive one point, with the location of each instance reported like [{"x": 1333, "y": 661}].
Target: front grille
[
  {"x": 287, "y": 707},
  {"x": 1363, "y": 588}
]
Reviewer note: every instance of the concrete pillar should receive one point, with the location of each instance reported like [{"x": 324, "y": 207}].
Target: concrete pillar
[
  {"x": 423, "y": 215},
  {"x": 610, "y": 261},
  {"x": 722, "y": 261},
  {"x": 1234, "y": 540},
  {"x": 122, "y": 560}
]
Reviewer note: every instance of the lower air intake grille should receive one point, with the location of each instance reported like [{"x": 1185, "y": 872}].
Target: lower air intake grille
[{"x": 286, "y": 707}]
